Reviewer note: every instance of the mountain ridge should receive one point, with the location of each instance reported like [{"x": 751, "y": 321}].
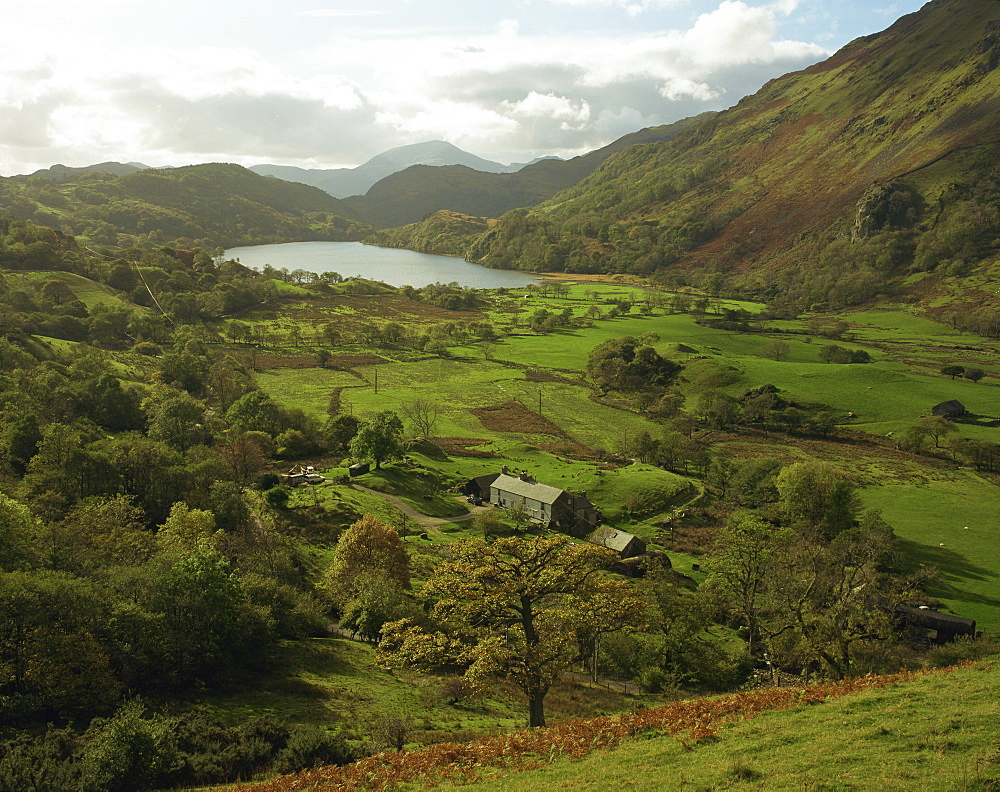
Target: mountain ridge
[
  {"x": 873, "y": 157},
  {"x": 409, "y": 195},
  {"x": 347, "y": 182}
]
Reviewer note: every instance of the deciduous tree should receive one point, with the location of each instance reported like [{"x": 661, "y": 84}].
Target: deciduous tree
[
  {"x": 378, "y": 438},
  {"x": 369, "y": 545},
  {"x": 515, "y": 608}
]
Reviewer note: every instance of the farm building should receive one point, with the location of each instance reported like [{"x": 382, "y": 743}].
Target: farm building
[
  {"x": 547, "y": 505},
  {"x": 479, "y": 487},
  {"x": 946, "y": 627},
  {"x": 950, "y": 409},
  {"x": 625, "y": 544}
]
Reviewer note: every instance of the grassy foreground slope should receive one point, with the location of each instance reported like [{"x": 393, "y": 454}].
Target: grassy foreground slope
[{"x": 930, "y": 731}]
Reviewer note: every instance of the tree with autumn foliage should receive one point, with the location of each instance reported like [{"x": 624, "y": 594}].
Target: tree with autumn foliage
[
  {"x": 368, "y": 546},
  {"x": 515, "y": 608}
]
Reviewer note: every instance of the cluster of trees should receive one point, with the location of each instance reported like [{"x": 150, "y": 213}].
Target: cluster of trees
[
  {"x": 797, "y": 568},
  {"x": 630, "y": 364},
  {"x": 136, "y": 749},
  {"x": 973, "y": 373},
  {"x": 436, "y": 339},
  {"x": 160, "y": 288}
]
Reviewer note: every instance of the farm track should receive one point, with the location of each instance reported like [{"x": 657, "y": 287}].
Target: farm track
[{"x": 423, "y": 520}]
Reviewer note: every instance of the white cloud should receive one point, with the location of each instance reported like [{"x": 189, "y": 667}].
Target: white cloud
[
  {"x": 550, "y": 106},
  {"x": 359, "y": 87},
  {"x": 631, "y": 7},
  {"x": 339, "y": 13}
]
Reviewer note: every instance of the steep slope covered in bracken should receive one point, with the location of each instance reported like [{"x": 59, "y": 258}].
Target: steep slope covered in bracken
[{"x": 873, "y": 166}]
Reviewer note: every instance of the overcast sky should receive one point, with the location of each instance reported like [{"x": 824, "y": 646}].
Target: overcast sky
[{"x": 297, "y": 82}]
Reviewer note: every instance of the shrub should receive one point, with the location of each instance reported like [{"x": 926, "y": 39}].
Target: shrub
[
  {"x": 148, "y": 348},
  {"x": 962, "y": 649},
  {"x": 313, "y": 746}
]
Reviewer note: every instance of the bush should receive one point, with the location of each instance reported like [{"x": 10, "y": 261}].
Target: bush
[
  {"x": 313, "y": 746},
  {"x": 148, "y": 348},
  {"x": 277, "y": 497},
  {"x": 962, "y": 649}
]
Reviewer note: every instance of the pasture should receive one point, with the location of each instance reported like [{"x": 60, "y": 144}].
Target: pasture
[{"x": 527, "y": 403}]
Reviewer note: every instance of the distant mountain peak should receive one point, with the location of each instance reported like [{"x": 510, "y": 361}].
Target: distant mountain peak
[{"x": 345, "y": 182}]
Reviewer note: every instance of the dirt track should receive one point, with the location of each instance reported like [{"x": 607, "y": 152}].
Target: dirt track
[{"x": 423, "y": 520}]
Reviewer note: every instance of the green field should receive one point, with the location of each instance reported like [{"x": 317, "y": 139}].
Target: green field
[
  {"x": 553, "y": 413},
  {"x": 90, "y": 293},
  {"x": 950, "y": 523}
]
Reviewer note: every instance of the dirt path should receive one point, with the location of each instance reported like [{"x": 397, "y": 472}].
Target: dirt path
[{"x": 423, "y": 520}]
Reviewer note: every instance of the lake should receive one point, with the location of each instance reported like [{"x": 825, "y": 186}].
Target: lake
[{"x": 389, "y": 265}]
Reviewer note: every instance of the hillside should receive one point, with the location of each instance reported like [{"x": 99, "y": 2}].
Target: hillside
[
  {"x": 444, "y": 233},
  {"x": 214, "y": 205},
  {"x": 933, "y": 731},
  {"x": 411, "y": 194},
  {"x": 344, "y": 182},
  {"x": 875, "y": 166}
]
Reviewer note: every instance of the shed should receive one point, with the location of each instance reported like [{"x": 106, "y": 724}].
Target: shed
[
  {"x": 950, "y": 409},
  {"x": 479, "y": 487},
  {"x": 625, "y": 544},
  {"x": 946, "y": 626},
  {"x": 358, "y": 469}
]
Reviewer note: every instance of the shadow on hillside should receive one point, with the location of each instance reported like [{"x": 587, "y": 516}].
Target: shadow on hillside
[{"x": 954, "y": 568}]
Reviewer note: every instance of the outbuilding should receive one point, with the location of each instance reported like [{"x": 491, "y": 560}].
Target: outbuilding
[
  {"x": 626, "y": 545},
  {"x": 950, "y": 409}
]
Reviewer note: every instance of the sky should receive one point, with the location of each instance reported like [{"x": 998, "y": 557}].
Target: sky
[{"x": 332, "y": 83}]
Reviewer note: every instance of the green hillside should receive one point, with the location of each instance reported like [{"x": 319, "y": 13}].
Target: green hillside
[
  {"x": 215, "y": 205},
  {"x": 443, "y": 233},
  {"x": 874, "y": 170},
  {"x": 409, "y": 195},
  {"x": 934, "y": 731}
]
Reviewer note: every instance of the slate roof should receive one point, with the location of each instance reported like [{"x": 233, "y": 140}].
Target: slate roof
[
  {"x": 532, "y": 490},
  {"x": 484, "y": 482},
  {"x": 950, "y": 407},
  {"x": 611, "y": 538}
]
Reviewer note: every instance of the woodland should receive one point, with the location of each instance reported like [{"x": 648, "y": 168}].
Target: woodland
[{"x": 750, "y": 388}]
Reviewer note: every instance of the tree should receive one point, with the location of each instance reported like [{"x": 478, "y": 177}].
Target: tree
[
  {"x": 377, "y": 599},
  {"x": 378, "y": 438},
  {"x": 953, "y": 371},
  {"x": 515, "y": 608},
  {"x": 974, "y": 374},
  {"x": 776, "y": 349},
  {"x": 340, "y": 431},
  {"x": 739, "y": 568},
  {"x": 23, "y": 438},
  {"x": 369, "y": 545},
  {"x": 423, "y": 414},
  {"x": 18, "y": 532},
  {"x": 256, "y": 412},
  {"x": 178, "y": 419},
  {"x": 936, "y": 426},
  {"x": 243, "y": 456},
  {"x": 817, "y": 494},
  {"x": 830, "y": 600}
]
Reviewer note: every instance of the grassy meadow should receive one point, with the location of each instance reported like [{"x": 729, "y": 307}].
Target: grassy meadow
[
  {"x": 935, "y": 732},
  {"x": 524, "y": 401}
]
